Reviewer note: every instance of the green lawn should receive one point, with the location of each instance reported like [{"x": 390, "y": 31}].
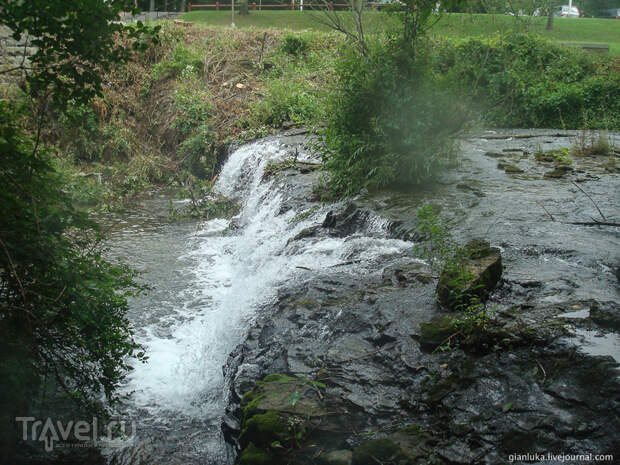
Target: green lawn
[
  {"x": 581, "y": 30},
  {"x": 280, "y": 19}
]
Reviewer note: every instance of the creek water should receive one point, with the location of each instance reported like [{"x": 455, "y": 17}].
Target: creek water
[
  {"x": 208, "y": 280},
  {"x": 211, "y": 279}
]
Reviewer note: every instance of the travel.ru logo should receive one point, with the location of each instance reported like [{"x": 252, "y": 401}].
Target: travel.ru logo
[{"x": 79, "y": 433}]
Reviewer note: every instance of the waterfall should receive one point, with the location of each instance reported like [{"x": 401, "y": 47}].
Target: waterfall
[{"x": 205, "y": 297}]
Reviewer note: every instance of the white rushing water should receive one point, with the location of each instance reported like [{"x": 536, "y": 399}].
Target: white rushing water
[{"x": 207, "y": 285}]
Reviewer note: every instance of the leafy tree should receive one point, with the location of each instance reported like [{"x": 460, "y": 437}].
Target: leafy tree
[
  {"x": 62, "y": 305},
  {"x": 75, "y": 41},
  {"x": 594, "y": 7}
]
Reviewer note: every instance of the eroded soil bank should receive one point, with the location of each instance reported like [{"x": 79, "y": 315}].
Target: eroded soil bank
[{"x": 353, "y": 379}]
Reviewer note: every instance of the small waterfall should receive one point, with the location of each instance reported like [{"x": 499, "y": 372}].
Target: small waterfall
[{"x": 207, "y": 287}]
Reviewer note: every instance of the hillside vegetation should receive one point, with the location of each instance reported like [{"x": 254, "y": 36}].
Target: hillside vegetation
[{"x": 167, "y": 116}]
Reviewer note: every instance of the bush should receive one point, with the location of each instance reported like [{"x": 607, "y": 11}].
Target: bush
[
  {"x": 83, "y": 135},
  {"x": 81, "y": 132},
  {"x": 181, "y": 59},
  {"x": 62, "y": 305},
  {"x": 198, "y": 153},
  {"x": 390, "y": 122},
  {"x": 294, "y": 45},
  {"x": 525, "y": 81},
  {"x": 287, "y": 102},
  {"x": 192, "y": 108}
]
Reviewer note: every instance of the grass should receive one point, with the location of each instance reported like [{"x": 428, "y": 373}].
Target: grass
[
  {"x": 460, "y": 25},
  {"x": 280, "y": 19}
]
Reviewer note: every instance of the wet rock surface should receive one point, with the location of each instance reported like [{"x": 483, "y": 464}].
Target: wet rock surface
[{"x": 358, "y": 377}]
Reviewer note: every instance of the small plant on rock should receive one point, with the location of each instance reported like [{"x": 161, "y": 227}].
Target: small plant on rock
[{"x": 591, "y": 144}]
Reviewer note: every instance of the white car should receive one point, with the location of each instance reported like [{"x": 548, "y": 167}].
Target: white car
[{"x": 565, "y": 11}]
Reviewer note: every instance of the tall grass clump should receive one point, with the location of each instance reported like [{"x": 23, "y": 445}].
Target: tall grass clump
[{"x": 391, "y": 123}]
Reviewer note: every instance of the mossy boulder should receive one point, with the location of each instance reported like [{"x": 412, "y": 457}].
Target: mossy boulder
[
  {"x": 253, "y": 455},
  {"x": 436, "y": 331},
  {"x": 280, "y": 410},
  {"x": 263, "y": 429},
  {"x": 475, "y": 278},
  {"x": 286, "y": 395},
  {"x": 478, "y": 248}
]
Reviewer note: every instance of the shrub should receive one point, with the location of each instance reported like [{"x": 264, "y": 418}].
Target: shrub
[
  {"x": 526, "y": 81},
  {"x": 287, "y": 102},
  {"x": 87, "y": 138},
  {"x": 390, "y": 122},
  {"x": 63, "y": 306},
  {"x": 294, "y": 45},
  {"x": 192, "y": 109},
  {"x": 81, "y": 132},
  {"x": 181, "y": 59},
  {"x": 197, "y": 153}
]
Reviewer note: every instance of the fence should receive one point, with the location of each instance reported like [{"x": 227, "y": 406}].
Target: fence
[{"x": 276, "y": 6}]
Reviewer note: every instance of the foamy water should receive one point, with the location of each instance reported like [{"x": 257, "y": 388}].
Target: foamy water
[{"x": 208, "y": 283}]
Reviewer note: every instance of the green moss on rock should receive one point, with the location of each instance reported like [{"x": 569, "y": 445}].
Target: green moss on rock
[
  {"x": 281, "y": 408},
  {"x": 414, "y": 430},
  {"x": 277, "y": 377},
  {"x": 478, "y": 248},
  {"x": 335, "y": 457},
  {"x": 436, "y": 331},
  {"x": 263, "y": 429},
  {"x": 460, "y": 283},
  {"x": 512, "y": 169},
  {"x": 253, "y": 455},
  {"x": 558, "y": 172},
  {"x": 250, "y": 403},
  {"x": 544, "y": 157}
]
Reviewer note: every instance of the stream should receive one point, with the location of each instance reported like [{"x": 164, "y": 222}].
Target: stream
[{"x": 212, "y": 321}]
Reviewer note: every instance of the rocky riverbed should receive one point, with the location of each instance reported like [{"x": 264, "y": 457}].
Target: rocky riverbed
[{"x": 353, "y": 363}]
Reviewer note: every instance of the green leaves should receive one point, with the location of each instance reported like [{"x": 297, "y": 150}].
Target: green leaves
[
  {"x": 62, "y": 306},
  {"x": 75, "y": 42},
  {"x": 390, "y": 122},
  {"x": 522, "y": 80}
]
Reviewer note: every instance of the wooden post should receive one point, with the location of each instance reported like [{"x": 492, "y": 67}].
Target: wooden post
[
  {"x": 254, "y": 5},
  {"x": 217, "y": 6},
  {"x": 292, "y": 4},
  {"x": 189, "y": 6},
  {"x": 331, "y": 6}
]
